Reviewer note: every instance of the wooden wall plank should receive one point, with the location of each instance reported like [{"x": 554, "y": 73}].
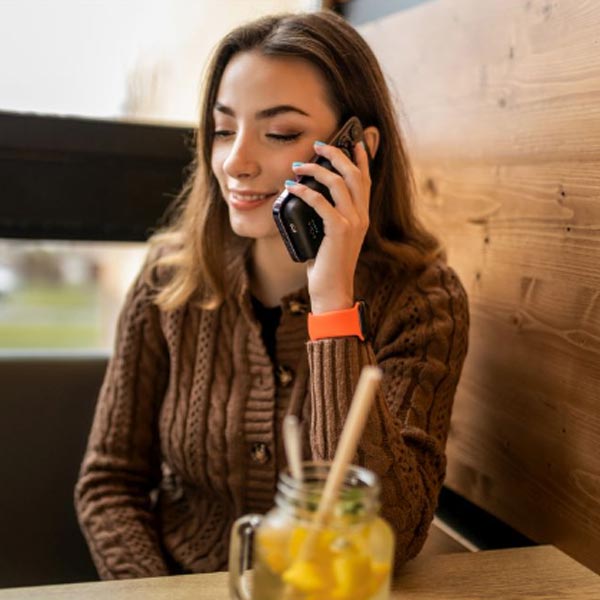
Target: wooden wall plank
[
  {"x": 500, "y": 101},
  {"x": 464, "y": 69}
]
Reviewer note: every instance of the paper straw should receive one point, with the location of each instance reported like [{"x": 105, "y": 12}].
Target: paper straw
[{"x": 292, "y": 441}]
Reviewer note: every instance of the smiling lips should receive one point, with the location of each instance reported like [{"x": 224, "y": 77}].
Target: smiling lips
[{"x": 249, "y": 200}]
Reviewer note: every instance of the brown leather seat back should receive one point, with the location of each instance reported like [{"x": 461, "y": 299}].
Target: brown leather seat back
[{"x": 46, "y": 409}]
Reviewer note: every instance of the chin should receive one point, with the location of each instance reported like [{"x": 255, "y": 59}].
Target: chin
[
  {"x": 253, "y": 231},
  {"x": 254, "y": 224}
]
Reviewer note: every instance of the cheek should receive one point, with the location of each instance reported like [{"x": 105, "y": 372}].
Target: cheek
[
  {"x": 283, "y": 159},
  {"x": 214, "y": 165},
  {"x": 216, "y": 162},
  {"x": 307, "y": 152}
]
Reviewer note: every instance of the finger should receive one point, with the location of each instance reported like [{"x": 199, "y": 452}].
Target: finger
[
  {"x": 339, "y": 159},
  {"x": 334, "y": 221},
  {"x": 337, "y": 186},
  {"x": 362, "y": 161},
  {"x": 357, "y": 177}
]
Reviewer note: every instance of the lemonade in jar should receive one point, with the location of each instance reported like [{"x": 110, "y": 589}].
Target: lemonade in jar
[{"x": 349, "y": 557}]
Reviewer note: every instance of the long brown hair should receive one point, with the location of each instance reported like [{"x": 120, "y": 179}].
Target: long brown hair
[{"x": 203, "y": 255}]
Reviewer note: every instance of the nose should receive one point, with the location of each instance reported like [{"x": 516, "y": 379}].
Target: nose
[{"x": 242, "y": 160}]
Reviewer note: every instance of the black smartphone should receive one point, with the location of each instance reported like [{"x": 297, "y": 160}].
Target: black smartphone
[{"x": 299, "y": 225}]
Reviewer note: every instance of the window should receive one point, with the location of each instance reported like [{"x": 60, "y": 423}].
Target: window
[
  {"x": 134, "y": 67},
  {"x": 138, "y": 59},
  {"x": 63, "y": 295}
]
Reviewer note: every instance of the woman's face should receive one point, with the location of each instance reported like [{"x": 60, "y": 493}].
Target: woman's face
[{"x": 268, "y": 113}]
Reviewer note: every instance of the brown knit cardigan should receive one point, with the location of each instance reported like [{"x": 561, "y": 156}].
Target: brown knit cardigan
[{"x": 187, "y": 431}]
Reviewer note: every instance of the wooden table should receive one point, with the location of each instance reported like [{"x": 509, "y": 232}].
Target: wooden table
[{"x": 537, "y": 573}]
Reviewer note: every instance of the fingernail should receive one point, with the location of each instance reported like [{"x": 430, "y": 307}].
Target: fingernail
[
  {"x": 297, "y": 164},
  {"x": 289, "y": 182},
  {"x": 362, "y": 144},
  {"x": 317, "y": 143}
]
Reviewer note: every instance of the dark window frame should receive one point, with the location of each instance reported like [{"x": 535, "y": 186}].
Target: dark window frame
[{"x": 67, "y": 178}]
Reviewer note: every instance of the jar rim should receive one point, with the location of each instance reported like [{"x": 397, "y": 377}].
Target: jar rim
[
  {"x": 354, "y": 474},
  {"x": 359, "y": 491}
]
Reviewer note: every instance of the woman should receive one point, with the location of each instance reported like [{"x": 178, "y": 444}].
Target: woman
[{"x": 212, "y": 348}]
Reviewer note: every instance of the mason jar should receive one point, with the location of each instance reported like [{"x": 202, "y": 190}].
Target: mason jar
[{"x": 349, "y": 557}]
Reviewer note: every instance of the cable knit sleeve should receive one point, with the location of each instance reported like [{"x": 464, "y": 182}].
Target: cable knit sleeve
[
  {"x": 121, "y": 466},
  {"x": 420, "y": 336}
]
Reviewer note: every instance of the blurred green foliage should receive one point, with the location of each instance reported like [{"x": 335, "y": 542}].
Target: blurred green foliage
[{"x": 50, "y": 316}]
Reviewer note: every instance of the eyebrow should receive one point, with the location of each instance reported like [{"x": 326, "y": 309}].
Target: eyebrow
[{"x": 266, "y": 113}]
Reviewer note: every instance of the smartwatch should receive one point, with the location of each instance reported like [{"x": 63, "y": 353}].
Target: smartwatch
[{"x": 340, "y": 323}]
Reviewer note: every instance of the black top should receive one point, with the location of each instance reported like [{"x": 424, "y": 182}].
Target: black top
[{"x": 269, "y": 318}]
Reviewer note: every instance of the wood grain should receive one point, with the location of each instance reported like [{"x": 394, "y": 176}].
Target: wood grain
[
  {"x": 501, "y": 105},
  {"x": 540, "y": 573},
  {"x": 513, "y": 80},
  {"x": 210, "y": 586},
  {"x": 442, "y": 539}
]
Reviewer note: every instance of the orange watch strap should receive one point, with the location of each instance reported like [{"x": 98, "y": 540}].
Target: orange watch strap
[{"x": 336, "y": 323}]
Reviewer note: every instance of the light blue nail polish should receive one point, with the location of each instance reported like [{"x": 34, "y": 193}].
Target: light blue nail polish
[
  {"x": 297, "y": 164},
  {"x": 317, "y": 143},
  {"x": 289, "y": 182}
]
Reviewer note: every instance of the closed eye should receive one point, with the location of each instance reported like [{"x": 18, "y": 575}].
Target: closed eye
[
  {"x": 222, "y": 133},
  {"x": 279, "y": 137}
]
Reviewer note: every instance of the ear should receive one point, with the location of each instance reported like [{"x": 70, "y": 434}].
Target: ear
[{"x": 371, "y": 137}]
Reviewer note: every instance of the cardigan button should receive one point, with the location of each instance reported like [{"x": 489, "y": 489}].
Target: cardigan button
[
  {"x": 261, "y": 382},
  {"x": 260, "y": 453},
  {"x": 298, "y": 308},
  {"x": 284, "y": 375}
]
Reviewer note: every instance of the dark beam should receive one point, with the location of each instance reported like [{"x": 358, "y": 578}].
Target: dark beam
[{"x": 80, "y": 179}]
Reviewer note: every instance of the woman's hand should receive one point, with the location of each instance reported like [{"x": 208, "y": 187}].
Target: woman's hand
[{"x": 331, "y": 273}]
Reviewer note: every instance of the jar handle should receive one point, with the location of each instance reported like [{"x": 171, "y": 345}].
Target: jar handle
[{"x": 240, "y": 555}]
